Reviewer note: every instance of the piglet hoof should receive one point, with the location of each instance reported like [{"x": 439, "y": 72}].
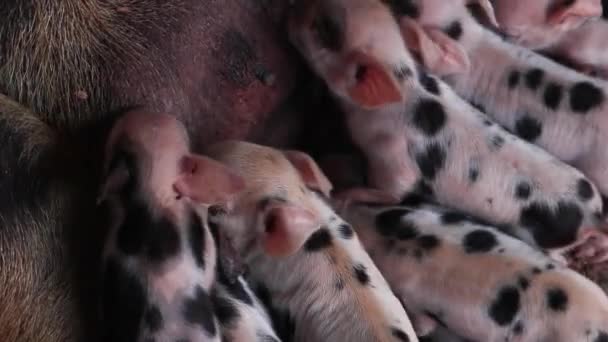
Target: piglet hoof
[
  {"x": 364, "y": 195},
  {"x": 591, "y": 248}
]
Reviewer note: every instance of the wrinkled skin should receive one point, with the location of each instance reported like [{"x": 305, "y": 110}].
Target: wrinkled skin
[{"x": 220, "y": 66}]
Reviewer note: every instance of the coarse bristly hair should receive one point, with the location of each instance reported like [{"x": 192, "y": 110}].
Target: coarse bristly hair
[{"x": 59, "y": 58}]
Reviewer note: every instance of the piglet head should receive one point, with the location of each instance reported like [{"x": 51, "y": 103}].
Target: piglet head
[
  {"x": 149, "y": 154},
  {"x": 282, "y": 205},
  {"x": 354, "y": 46},
  {"x": 540, "y": 23},
  {"x": 158, "y": 191}
]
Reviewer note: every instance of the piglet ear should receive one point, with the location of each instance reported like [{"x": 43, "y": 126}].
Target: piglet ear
[
  {"x": 485, "y": 10},
  {"x": 207, "y": 181},
  {"x": 286, "y": 229},
  {"x": 571, "y": 14},
  {"x": 438, "y": 53},
  {"x": 368, "y": 83},
  {"x": 309, "y": 171}
]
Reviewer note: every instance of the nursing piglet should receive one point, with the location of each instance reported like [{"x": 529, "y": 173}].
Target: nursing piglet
[
  {"x": 159, "y": 262},
  {"x": 545, "y": 103},
  {"x": 304, "y": 259},
  {"x": 480, "y": 284},
  {"x": 417, "y": 133}
]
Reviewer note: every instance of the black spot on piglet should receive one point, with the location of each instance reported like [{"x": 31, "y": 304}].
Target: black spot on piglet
[
  {"x": 431, "y": 161},
  {"x": 162, "y": 241},
  {"x": 361, "y": 274},
  {"x": 319, "y": 240},
  {"x": 124, "y": 300},
  {"x": 454, "y": 31},
  {"x": 196, "y": 238},
  {"x": 453, "y": 217},
  {"x": 429, "y": 83},
  {"x": 534, "y": 78},
  {"x": 513, "y": 79},
  {"x": 153, "y": 318},
  {"x": 428, "y": 242},
  {"x": 557, "y": 300},
  {"x": 199, "y": 310},
  {"x": 403, "y": 8},
  {"x": 584, "y": 96},
  {"x": 346, "y": 231},
  {"x": 528, "y": 128},
  {"x": 400, "y": 335},
  {"x": 552, "y": 227},
  {"x": 553, "y": 95},
  {"x": 584, "y": 190},
  {"x": 226, "y": 310},
  {"x": 429, "y": 116},
  {"x": 505, "y": 306},
  {"x": 386, "y": 221},
  {"x": 479, "y": 241}
]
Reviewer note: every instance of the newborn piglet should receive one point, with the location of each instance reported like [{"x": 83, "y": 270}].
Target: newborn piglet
[
  {"x": 159, "y": 261},
  {"x": 303, "y": 259},
  {"x": 480, "y": 284},
  {"x": 545, "y": 103},
  {"x": 417, "y": 133},
  {"x": 541, "y": 24}
]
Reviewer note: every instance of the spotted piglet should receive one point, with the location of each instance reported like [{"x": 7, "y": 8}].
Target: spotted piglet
[
  {"x": 417, "y": 133},
  {"x": 159, "y": 262},
  {"x": 541, "y": 101},
  {"x": 475, "y": 281},
  {"x": 305, "y": 260}
]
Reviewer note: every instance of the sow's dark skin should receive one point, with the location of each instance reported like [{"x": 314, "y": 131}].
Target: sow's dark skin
[{"x": 67, "y": 69}]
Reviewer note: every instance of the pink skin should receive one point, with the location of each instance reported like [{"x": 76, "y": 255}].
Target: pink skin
[
  {"x": 173, "y": 184},
  {"x": 541, "y": 23},
  {"x": 391, "y": 137},
  {"x": 456, "y": 286},
  {"x": 271, "y": 225},
  {"x": 487, "y": 84},
  {"x": 585, "y": 47}
]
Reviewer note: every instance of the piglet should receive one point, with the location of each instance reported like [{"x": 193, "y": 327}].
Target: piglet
[
  {"x": 303, "y": 259},
  {"x": 417, "y": 133},
  {"x": 545, "y": 103},
  {"x": 159, "y": 261},
  {"x": 480, "y": 284},
  {"x": 540, "y": 24}
]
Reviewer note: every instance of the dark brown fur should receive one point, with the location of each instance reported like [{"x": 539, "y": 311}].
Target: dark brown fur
[
  {"x": 222, "y": 67},
  {"x": 47, "y": 245}
]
